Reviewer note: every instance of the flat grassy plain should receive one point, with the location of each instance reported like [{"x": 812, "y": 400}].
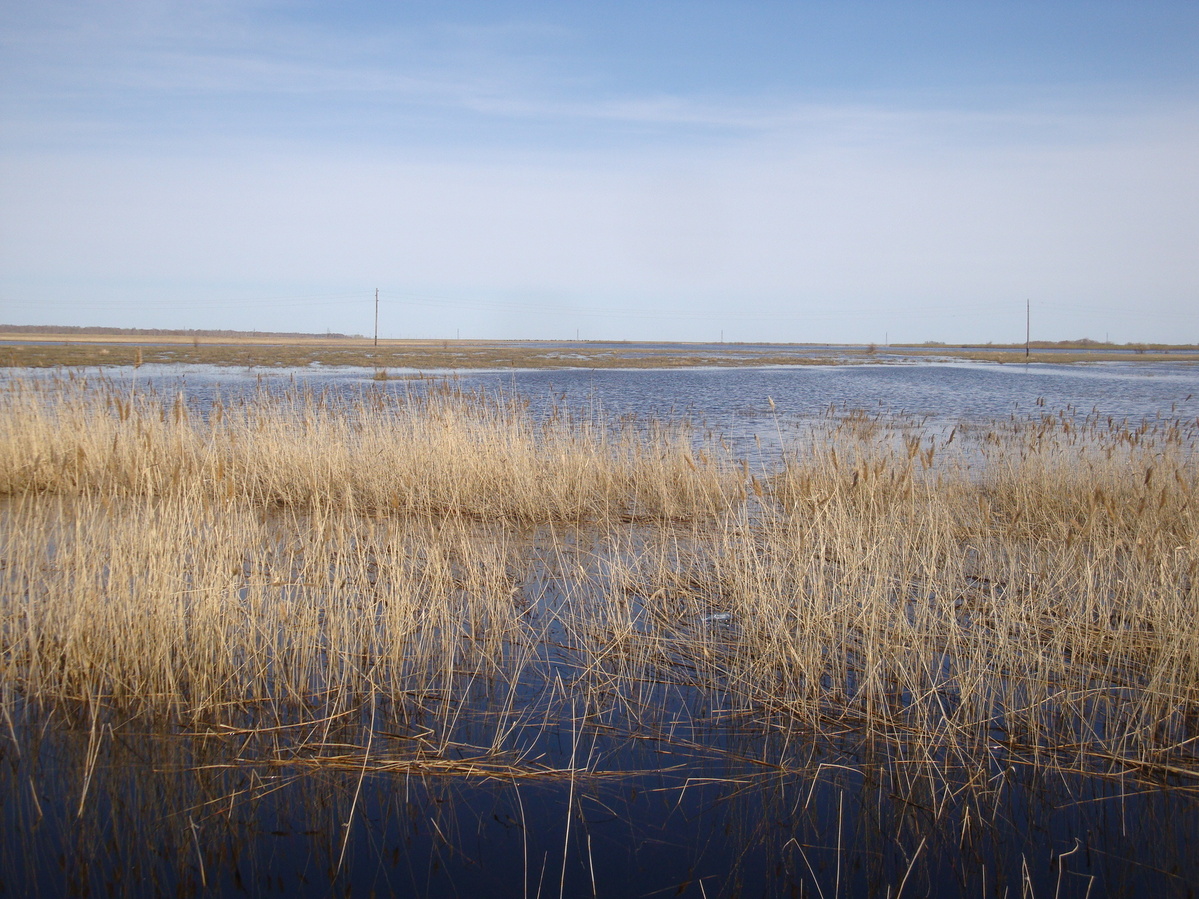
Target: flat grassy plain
[{"x": 20, "y": 349}]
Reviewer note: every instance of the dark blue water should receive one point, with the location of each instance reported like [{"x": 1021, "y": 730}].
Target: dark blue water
[{"x": 789, "y": 814}]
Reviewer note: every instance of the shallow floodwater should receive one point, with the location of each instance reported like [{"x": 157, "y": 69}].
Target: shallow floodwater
[
  {"x": 773, "y": 815},
  {"x": 749, "y": 407},
  {"x": 696, "y": 805}
]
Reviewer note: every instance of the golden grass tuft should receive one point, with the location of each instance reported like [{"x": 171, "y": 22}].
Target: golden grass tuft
[{"x": 436, "y": 452}]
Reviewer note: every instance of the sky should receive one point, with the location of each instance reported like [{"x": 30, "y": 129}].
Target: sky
[{"x": 847, "y": 172}]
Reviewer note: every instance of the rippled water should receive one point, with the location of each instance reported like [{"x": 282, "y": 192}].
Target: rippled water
[{"x": 736, "y": 403}]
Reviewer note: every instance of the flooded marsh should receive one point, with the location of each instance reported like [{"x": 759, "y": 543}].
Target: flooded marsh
[{"x": 444, "y": 637}]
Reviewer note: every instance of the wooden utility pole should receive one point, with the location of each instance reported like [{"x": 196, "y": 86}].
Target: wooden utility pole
[
  {"x": 376, "y": 316},
  {"x": 1027, "y": 325}
]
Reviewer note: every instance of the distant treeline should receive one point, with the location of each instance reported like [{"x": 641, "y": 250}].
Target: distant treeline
[{"x": 160, "y": 332}]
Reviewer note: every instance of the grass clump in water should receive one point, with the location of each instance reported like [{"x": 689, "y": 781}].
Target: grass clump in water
[
  {"x": 435, "y": 452},
  {"x": 288, "y": 558}
]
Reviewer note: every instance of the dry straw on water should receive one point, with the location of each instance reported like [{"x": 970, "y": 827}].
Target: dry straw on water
[{"x": 288, "y": 558}]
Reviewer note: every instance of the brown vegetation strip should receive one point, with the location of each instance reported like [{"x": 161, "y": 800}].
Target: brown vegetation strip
[{"x": 251, "y": 351}]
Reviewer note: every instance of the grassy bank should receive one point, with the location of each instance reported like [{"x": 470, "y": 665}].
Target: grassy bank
[
  {"x": 276, "y": 561},
  {"x": 20, "y": 350}
]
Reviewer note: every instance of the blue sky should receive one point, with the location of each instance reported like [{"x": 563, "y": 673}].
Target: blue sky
[{"x": 847, "y": 172}]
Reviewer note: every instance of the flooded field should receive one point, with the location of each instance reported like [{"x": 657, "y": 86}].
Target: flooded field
[
  {"x": 853, "y": 630},
  {"x": 281, "y": 352}
]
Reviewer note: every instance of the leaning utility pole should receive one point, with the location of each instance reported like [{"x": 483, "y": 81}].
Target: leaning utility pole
[{"x": 376, "y": 316}]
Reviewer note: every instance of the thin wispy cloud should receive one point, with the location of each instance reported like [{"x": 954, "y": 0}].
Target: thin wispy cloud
[{"x": 528, "y": 165}]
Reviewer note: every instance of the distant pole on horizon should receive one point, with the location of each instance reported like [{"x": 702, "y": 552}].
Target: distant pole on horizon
[
  {"x": 376, "y": 316},
  {"x": 1027, "y": 325}
]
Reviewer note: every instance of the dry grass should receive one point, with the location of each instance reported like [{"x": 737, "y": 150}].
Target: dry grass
[
  {"x": 285, "y": 559},
  {"x": 1036, "y": 587},
  {"x": 72, "y": 351},
  {"x": 429, "y": 452},
  {"x": 75, "y": 350}
]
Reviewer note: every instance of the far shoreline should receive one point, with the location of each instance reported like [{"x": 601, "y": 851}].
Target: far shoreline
[{"x": 47, "y": 347}]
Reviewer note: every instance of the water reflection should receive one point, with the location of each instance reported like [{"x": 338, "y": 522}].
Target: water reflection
[{"x": 780, "y": 812}]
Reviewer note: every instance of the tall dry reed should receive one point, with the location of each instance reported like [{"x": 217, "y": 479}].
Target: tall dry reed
[
  {"x": 1029, "y": 584},
  {"x": 439, "y": 451}
]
